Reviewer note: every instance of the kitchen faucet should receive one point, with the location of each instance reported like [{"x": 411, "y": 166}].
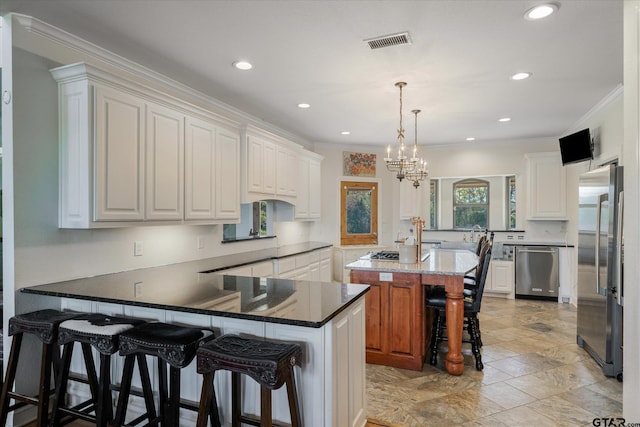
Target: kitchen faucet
[
  {"x": 473, "y": 232},
  {"x": 419, "y": 223}
]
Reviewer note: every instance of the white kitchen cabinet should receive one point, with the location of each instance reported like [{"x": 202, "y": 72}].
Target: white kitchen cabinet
[
  {"x": 315, "y": 187},
  {"x": 260, "y": 164},
  {"x": 200, "y": 160},
  {"x": 164, "y": 163},
  {"x": 410, "y": 199},
  {"x": 227, "y": 173},
  {"x": 546, "y": 187},
  {"x": 212, "y": 177},
  {"x": 308, "y": 203},
  {"x": 500, "y": 279},
  {"x": 287, "y": 173},
  {"x": 343, "y": 255},
  {"x": 119, "y": 155},
  {"x": 302, "y": 202},
  {"x": 326, "y": 270},
  {"x": 279, "y": 169},
  {"x": 131, "y": 155}
]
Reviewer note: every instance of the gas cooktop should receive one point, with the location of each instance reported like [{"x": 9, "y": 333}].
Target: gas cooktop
[{"x": 388, "y": 255}]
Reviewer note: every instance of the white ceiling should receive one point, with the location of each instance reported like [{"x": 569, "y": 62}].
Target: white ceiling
[{"x": 457, "y": 68}]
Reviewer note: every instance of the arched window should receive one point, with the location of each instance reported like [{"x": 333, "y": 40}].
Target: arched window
[{"x": 471, "y": 203}]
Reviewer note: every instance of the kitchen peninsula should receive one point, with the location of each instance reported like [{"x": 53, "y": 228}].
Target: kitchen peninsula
[
  {"x": 326, "y": 318},
  {"x": 396, "y": 313}
]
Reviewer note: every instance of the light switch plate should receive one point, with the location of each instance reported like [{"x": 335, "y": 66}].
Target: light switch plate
[{"x": 137, "y": 248}]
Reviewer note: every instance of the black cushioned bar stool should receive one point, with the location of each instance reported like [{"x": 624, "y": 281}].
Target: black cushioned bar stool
[
  {"x": 101, "y": 332},
  {"x": 267, "y": 362},
  {"x": 42, "y": 324},
  {"x": 172, "y": 345}
]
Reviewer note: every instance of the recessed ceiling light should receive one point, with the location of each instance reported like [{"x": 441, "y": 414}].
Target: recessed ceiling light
[
  {"x": 471, "y": 138},
  {"x": 540, "y": 11},
  {"x": 304, "y": 105},
  {"x": 345, "y": 132},
  {"x": 504, "y": 119},
  {"x": 521, "y": 76},
  {"x": 243, "y": 65}
]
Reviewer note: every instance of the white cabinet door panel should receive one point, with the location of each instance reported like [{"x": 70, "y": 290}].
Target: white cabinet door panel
[
  {"x": 314, "y": 189},
  {"x": 200, "y": 152},
  {"x": 227, "y": 175},
  {"x": 119, "y": 156},
  {"x": 165, "y": 150}
]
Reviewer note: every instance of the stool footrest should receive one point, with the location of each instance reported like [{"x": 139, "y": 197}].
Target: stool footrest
[{"x": 255, "y": 421}]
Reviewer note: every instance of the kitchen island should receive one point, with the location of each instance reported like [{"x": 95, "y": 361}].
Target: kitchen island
[
  {"x": 327, "y": 319},
  {"x": 395, "y": 306}
]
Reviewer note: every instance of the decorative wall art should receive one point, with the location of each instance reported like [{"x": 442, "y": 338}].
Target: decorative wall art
[{"x": 358, "y": 164}]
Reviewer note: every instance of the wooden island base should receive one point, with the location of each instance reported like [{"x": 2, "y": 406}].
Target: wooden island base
[{"x": 396, "y": 317}]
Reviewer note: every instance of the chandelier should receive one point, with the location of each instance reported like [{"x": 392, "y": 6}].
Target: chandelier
[
  {"x": 400, "y": 165},
  {"x": 419, "y": 172}
]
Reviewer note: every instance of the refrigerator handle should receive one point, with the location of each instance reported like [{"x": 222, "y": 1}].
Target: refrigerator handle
[
  {"x": 619, "y": 243},
  {"x": 601, "y": 198}
]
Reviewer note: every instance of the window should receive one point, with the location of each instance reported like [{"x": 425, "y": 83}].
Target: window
[
  {"x": 358, "y": 213},
  {"x": 433, "y": 204},
  {"x": 470, "y": 203},
  {"x": 511, "y": 202},
  {"x": 255, "y": 221}
]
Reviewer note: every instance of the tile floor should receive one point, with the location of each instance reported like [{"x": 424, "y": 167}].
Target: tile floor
[{"x": 534, "y": 374}]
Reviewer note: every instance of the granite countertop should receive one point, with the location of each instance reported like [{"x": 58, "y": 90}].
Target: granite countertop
[
  {"x": 182, "y": 287},
  {"x": 439, "y": 261}
]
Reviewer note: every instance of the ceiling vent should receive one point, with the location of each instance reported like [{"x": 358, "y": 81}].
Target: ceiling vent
[{"x": 389, "y": 40}]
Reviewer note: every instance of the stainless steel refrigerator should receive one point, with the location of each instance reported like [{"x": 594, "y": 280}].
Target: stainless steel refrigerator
[{"x": 600, "y": 263}]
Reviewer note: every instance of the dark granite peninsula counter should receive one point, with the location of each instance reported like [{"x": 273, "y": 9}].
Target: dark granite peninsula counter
[{"x": 327, "y": 319}]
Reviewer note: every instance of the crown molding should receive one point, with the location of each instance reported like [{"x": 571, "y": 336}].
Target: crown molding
[{"x": 602, "y": 105}]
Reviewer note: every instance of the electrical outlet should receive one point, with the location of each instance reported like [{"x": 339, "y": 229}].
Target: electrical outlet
[
  {"x": 137, "y": 289},
  {"x": 137, "y": 248},
  {"x": 200, "y": 242}
]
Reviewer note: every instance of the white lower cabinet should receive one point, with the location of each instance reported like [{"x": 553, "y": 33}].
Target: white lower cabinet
[
  {"x": 500, "y": 279},
  {"x": 330, "y": 381}
]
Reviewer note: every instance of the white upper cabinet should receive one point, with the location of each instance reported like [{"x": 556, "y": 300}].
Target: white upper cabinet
[
  {"x": 212, "y": 177},
  {"x": 314, "y": 188},
  {"x": 119, "y": 156},
  {"x": 308, "y": 202},
  {"x": 165, "y": 162},
  {"x": 200, "y": 160},
  {"x": 227, "y": 174},
  {"x": 286, "y": 174},
  {"x": 131, "y": 155},
  {"x": 410, "y": 198},
  {"x": 278, "y": 169},
  {"x": 546, "y": 187}
]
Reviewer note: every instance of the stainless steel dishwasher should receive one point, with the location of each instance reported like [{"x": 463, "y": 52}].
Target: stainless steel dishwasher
[{"x": 537, "y": 273}]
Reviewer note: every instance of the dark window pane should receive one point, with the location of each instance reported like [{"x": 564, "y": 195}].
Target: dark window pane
[
  {"x": 467, "y": 217},
  {"x": 359, "y": 212}
]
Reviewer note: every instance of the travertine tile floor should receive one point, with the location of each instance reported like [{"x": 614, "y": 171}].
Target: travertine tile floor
[{"x": 534, "y": 374}]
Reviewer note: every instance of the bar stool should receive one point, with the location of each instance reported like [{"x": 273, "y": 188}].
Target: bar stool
[
  {"x": 172, "y": 345},
  {"x": 90, "y": 330},
  {"x": 42, "y": 324},
  {"x": 268, "y": 363}
]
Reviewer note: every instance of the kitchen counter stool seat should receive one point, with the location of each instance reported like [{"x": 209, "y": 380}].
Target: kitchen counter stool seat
[
  {"x": 42, "y": 324},
  {"x": 101, "y": 332},
  {"x": 172, "y": 345},
  {"x": 269, "y": 363}
]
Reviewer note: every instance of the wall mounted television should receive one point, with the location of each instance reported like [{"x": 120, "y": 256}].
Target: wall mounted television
[{"x": 576, "y": 147}]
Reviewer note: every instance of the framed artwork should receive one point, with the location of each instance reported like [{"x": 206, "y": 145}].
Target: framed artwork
[{"x": 358, "y": 164}]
